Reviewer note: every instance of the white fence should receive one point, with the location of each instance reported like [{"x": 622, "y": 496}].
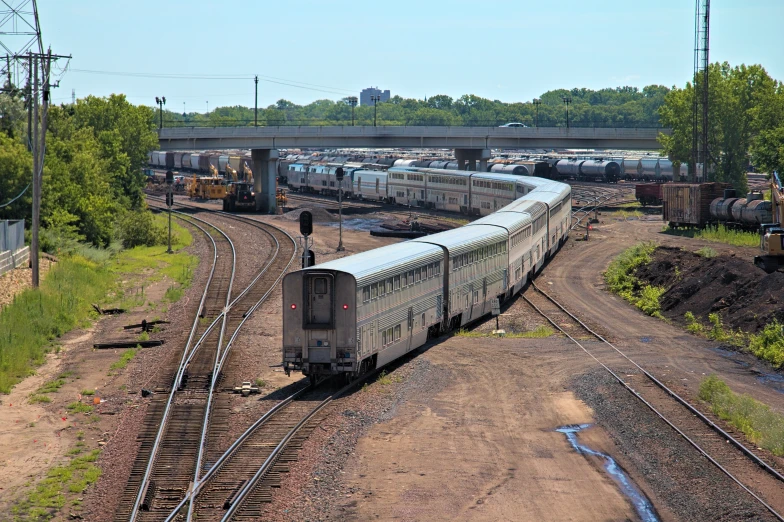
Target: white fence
[{"x": 11, "y": 259}]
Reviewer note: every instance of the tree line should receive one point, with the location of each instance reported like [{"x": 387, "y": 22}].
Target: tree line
[
  {"x": 92, "y": 179},
  {"x": 618, "y": 107},
  {"x": 745, "y": 122}
]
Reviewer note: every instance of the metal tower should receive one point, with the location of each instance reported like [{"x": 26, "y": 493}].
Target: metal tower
[
  {"x": 20, "y": 34},
  {"x": 700, "y": 110}
]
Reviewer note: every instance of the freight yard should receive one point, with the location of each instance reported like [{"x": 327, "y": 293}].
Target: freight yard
[{"x": 449, "y": 296}]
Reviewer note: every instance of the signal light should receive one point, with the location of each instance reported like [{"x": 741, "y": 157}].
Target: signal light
[
  {"x": 293, "y": 306},
  {"x": 345, "y": 307}
]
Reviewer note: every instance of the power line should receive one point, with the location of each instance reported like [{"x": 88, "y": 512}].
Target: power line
[{"x": 185, "y": 76}]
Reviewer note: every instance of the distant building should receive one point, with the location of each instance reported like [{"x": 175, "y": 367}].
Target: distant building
[{"x": 364, "y": 96}]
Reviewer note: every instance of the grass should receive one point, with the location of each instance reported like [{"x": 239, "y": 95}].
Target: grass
[
  {"x": 540, "y": 332},
  {"x": 767, "y": 345},
  {"x": 260, "y": 382},
  {"x": 124, "y": 360},
  {"x": 718, "y": 234},
  {"x": 79, "y": 407},
  {"x": 625, "y": 213},
  {"x": 706, "y": 252},
  {"x": 385, "y": 379},
  {"x": 60, "y": 484},
  {"x": 621, "y": 280},
  {"x": 761, "y": 426},
  {"x": 35, "y": 318},
  {"x": 52, "y": 386},
  {"x": 87, "y": 392},
  {"x": 38, "y": 316},
  {"x": 36, "y": 399}
]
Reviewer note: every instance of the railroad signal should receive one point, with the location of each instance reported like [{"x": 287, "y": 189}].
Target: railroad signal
[
  {"x": 339, "y": 174},
  {"x": 169, "y": 177},
  {"x": 169, "y": 199},
  {"x": 308, "y": 260},
  {"x": 306, "y": 223}
]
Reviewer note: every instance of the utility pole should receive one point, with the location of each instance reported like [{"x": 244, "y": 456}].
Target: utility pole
[
  {"x": 375, "y": 99},
  {"x": 256, "y": 104},
  {"x": 352, "y": 100},
  {"x": 537, "y": 103},
  {"x": 36, "y": 181},
  {"x": 73, "y": 96},
  {"x": 29, "y": 101},
  {"x": 567, "y": 100}
]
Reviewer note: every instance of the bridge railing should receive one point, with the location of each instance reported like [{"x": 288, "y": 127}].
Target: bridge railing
[{"x": 579, "y": 124}]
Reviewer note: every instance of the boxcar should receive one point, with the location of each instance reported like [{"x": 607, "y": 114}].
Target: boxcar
[{"x": 688, "y": 204}]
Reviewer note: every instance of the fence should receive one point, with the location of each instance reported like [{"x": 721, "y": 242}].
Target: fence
[{"x": 13, "y": 252}]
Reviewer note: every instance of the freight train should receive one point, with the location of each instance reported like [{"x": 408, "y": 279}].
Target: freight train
[
  {"x": 357, "y": 313},
  {"x": 609, "y": 170},
  {"x": 703, "y": 204}
]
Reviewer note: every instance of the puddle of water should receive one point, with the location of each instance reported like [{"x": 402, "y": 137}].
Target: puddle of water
[
  {"x": 641, "y": 503},
  {"x": 646, "y": 339},
  {"x": 363, "y": 225},
  {"x": 774, "y": 381}
]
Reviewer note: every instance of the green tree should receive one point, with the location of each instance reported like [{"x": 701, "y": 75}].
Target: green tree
[
  {"x": 735, "y": 97},
  {"x": 429, "y": 116},
  {"x": 16, "y": 174}
]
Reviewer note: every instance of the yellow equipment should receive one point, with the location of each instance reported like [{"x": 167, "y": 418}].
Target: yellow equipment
[
  {"x": 280, "y": 198},
  {"x": 207, "y": 187},
  {"x": 248, "y": 174},
  {"x": 231, "y": 173},
  {"x": 772, "y": 234}
]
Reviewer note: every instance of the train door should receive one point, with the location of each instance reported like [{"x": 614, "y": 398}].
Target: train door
[
  {"x": 319, "y": 313},
  {"x": 484, "y": 294},
  {"x": 359, "y": 186},
  {"x": 410, "y": 327},
  {"x": 378, "y": 182}
]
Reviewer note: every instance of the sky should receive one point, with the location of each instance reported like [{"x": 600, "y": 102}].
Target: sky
[{"x": 201, "y": 54}]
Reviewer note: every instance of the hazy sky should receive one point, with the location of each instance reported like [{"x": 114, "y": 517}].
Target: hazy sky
[{"x": 305, "y": 50}]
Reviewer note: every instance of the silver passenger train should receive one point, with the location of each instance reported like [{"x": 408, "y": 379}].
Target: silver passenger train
[{"x": 360, "y": 312}]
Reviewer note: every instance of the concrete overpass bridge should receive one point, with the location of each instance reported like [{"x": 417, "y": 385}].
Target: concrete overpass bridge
[{"x": 472, "y": 144}]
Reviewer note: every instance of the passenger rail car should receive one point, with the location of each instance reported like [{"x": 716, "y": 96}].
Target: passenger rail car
[{"x": 360, "y": 312}]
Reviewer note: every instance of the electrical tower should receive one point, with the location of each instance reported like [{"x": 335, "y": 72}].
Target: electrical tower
[
  {"x": 699, "y": 150},
  {"x": 20, "y": 34}
]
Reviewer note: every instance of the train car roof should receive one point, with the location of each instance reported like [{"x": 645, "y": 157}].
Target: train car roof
[
  {"x": 464, "y": 239},
  {"x": 529, "y": 207},
  {"x": 378, "y": 264},
  {"x": 511, "y": 221}
]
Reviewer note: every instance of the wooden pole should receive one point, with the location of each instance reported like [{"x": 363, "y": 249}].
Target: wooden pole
[{"x": 36, "y": 180}]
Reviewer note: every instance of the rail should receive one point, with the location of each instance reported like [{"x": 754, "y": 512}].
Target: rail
[{"x": 748, "y": 453}]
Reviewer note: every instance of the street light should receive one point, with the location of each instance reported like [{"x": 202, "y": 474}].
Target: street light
[
  {"x": 537, "y": 103},
  {"x": 567, "y": 100},
  {"x": 352, "y": 100},
  {"x": 339, "y": 173},
  {"x": 161, "y": 102},
  {"x": 375, "y": 98}
]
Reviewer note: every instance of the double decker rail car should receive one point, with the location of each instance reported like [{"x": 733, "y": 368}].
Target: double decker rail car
[{"x": 351, "y": 315}]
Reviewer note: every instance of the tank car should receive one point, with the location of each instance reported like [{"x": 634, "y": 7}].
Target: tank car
[
  {"x": 597, "y": 170},
  {"x": 649, "y": 169},
  {"x": 630, "y": 167},
  {"x": 569, "y": 168},
  {"x": 516, "y": 170}
]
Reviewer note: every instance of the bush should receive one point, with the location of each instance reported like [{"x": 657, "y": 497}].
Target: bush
[
  {"x": 769, "y": 344},
  {"x": 620, "y": 278},
  {"x": 707, "y": 252},
  {"x": 692, "y": 324},
  {"x": 138, "y": 228}
]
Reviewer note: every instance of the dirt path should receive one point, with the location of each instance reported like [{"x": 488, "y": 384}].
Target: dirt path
[{"x": 485, "y": 446}]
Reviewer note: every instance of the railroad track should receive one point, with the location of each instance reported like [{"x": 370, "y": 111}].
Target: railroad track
[
  {"x": 731, "y": 456},
  {"x": 174, "y": 453}
]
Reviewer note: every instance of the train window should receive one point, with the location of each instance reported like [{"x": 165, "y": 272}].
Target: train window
[
  {"x": 410, "y": 277},
  {"x": 384, "y": 338},
  {"x": 381, "y": 289},
  {"x": 423, "y": 320},
  {"x": 389, "y": 285},
  {"x": 429, "y": 271},
  {"x": 438, "y": 268},
  {"x": 320, "y": 285},
  {"x": 397, "y": 282},
  {"x": 302, "y": 180},
  {"x": 374, "y": 291},
  {"x": 417, "y": 275},
  {"x": 366, "y": 294},
  {"x": 397, "y": 333}
]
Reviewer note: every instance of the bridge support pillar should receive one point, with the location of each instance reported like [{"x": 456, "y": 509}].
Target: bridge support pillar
[
  {"x": 265, "y": 170},
  {"x": 471, "y": 157}
]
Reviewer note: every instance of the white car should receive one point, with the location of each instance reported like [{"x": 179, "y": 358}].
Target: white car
[{"x": 514, "y": 125}]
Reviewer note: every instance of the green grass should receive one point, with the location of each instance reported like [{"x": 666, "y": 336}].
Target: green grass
[
  {"x": 621, "y": 280},
  {"x": 385, "y": 379},
  {"x": 30, "y": 324},
  {"x": 38, "y": 316},
  {"x": 79, "y": 407},
  {"x": 36, "y": 399},
  {"x": 60, "y": 484},
  {"x": 624, "y": 213},
  {"x": 761, "y": 426},
  {"x": 124, "y": 360},
  {"x": 706, "y": 252},
  {"x": 87, "y": 392},
  {"x": 540, "y": 332},
  {"x": 260, "y": 382},
  {"x": 767, "y": 345},
  {"x": 52, "y": 386},
  {"x": 718, "y": 234}
]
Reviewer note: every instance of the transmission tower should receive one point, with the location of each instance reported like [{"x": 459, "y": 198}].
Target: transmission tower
[
  {"x": 700, "y": 110},
  {"x": 20, "y": 34}
]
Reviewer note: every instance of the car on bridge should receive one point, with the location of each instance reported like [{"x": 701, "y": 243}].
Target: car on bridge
[{"x": 514, "y": 124}]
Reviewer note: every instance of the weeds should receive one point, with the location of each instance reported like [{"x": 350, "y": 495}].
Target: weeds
[
  {"x": 144, "y": 336},
  {"x": 717, "y": 234},
  {"x": 761, "y": 426},
  {"x": 79, "y": 407},
  {"x": 35, "y": 399},
  {"x": 706, "y": 252},
  {"x": 60, "y": 482},
  {"x": 124, "y": 360},
  {"x": 87, "y": 392},
  {"x": 767, "y": 345},
  {"x": 52, "y": 386},
  {"x": 260, "y": 382},
  {"x": 621, "y": 280},
  {"x": 384, "y": 379}
]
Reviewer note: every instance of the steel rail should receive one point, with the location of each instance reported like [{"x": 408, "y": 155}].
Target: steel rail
[
  {"x": 222, "y": 355},
  {"x": 672, "y": 394},
  {"x": 194, "y": 492},
  {"x": 180, "y": 370}
]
